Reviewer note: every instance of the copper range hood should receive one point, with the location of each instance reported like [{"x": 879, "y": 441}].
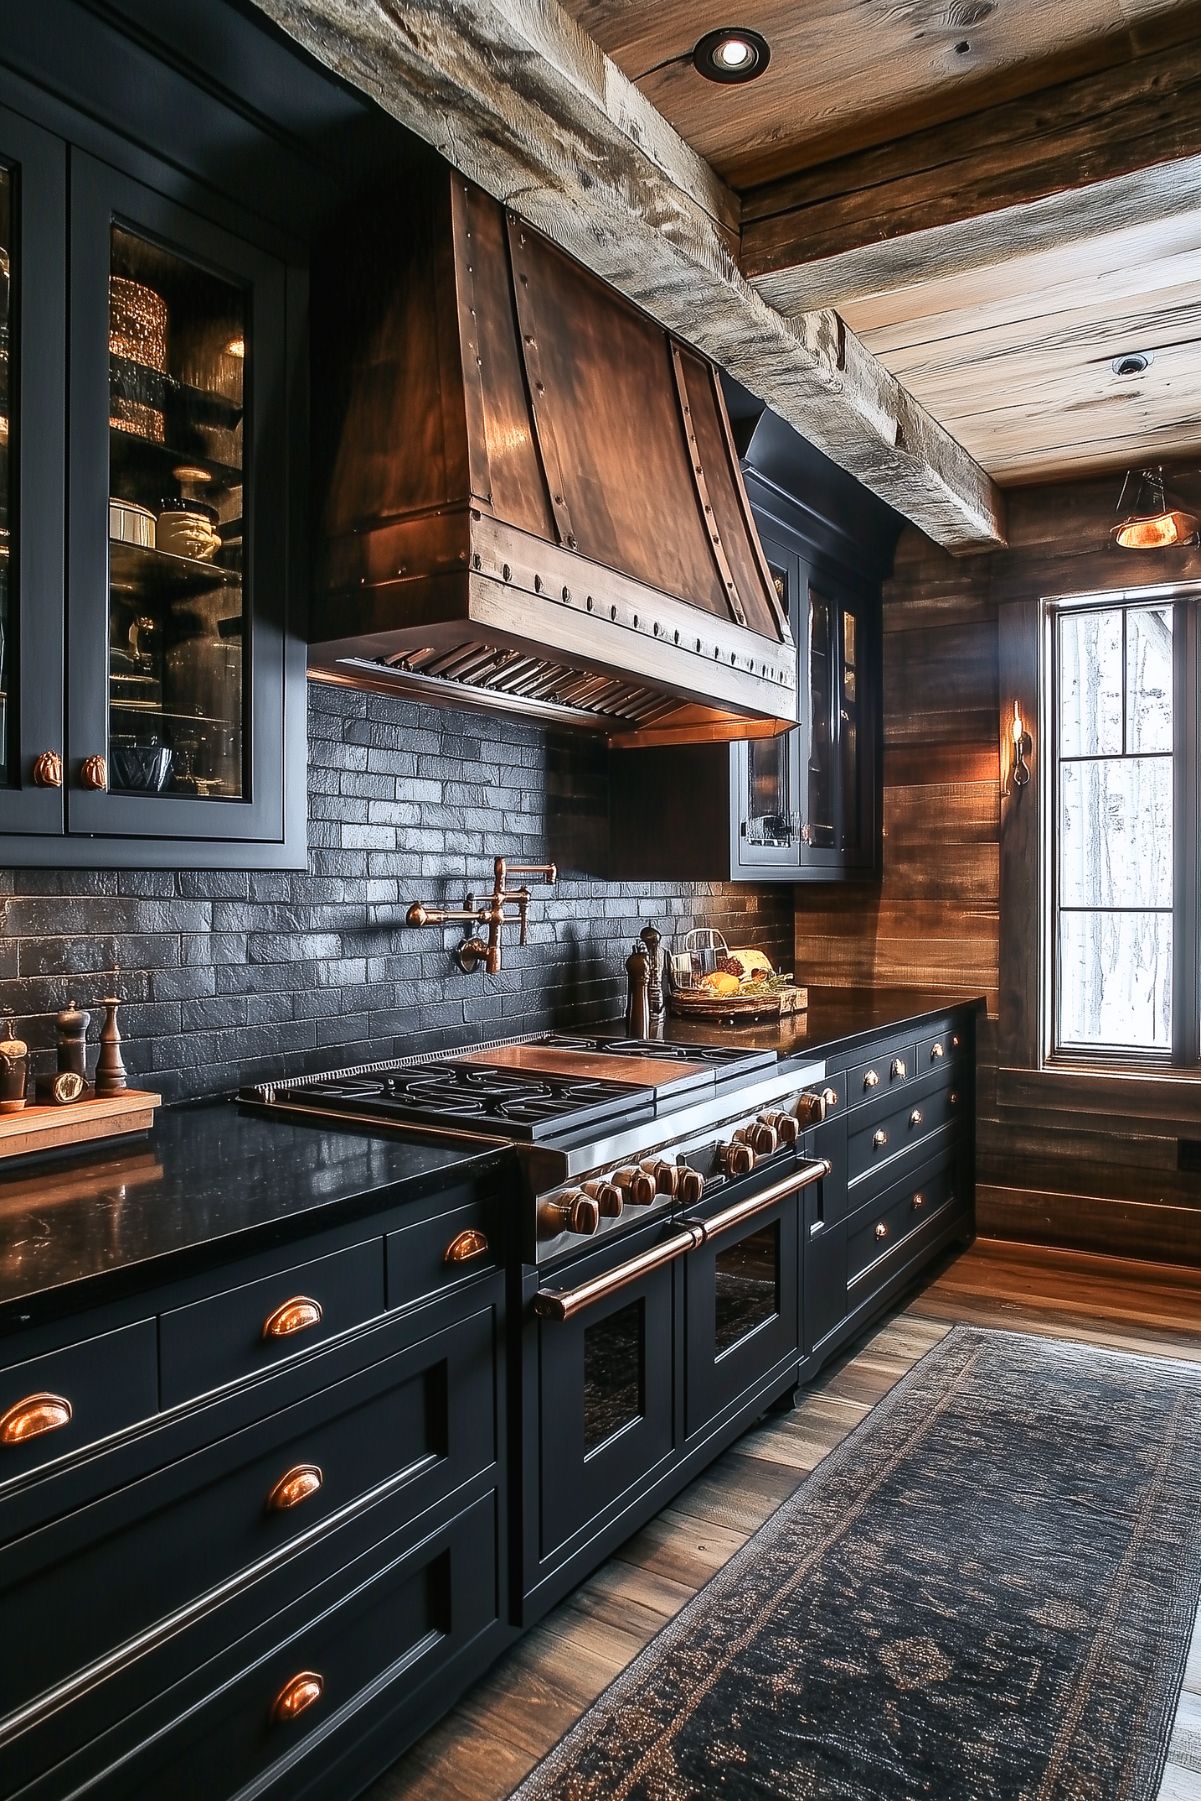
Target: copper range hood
[{"x": 530, "y": 494}]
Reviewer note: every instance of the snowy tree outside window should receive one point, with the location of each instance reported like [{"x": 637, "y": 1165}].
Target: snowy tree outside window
[{"x": 1113, "y": 812}]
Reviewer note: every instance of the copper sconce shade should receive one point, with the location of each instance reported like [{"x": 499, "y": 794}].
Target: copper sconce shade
[{"x": 1152, "y": 523}]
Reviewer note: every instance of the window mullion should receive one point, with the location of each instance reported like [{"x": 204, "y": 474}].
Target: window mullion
[{"x": 1186, "y": 1028}]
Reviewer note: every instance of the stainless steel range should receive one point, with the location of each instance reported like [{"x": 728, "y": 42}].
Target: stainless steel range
[{"x": 608, "y": 1132}]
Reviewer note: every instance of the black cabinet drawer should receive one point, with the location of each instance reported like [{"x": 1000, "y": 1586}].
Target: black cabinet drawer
[
  {"x": 434, "y": 1254},
  {"x": 52, "y": 1405},
  {"x": 889, "y": 1068},
  {"x": 416, "y": 1425},
  {"x": 243, "y": 1331},
  {"x": 375, "y": 1633},
  {"x": 940, "y": 1048},
  {"x": 926, "y": 1110},
  {"x": 875, "y": 1231}
]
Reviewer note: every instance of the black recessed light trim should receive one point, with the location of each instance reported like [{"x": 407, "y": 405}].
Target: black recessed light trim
[
  {"x": 1134, "y": 362},
  {"x": 708, "y": 61}
]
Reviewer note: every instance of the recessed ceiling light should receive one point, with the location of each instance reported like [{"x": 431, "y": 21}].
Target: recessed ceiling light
[
  {"x": 733, "y": 53},
  {"x": 1133, "y": 363}
]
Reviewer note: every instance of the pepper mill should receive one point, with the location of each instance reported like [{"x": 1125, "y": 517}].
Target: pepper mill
[
  {"x": 656, "y": 990},
  {"x": 638, "y": 973},
  {"x": 111, "y": 1077},
  {"x": 14, "y": 1071},
  {"x": 71, "y": 1037}
]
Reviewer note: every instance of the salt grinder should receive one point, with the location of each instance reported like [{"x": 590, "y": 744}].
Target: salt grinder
[
  {"x": 656, "y": 989},
  {"x": 638, "y": 972},
  {"x": 71, "y": 1038},
  {"x": 111, "y": 1077}
]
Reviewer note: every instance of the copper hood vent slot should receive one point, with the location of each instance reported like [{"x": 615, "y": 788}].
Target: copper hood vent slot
[{"x": 529, "y": 493}]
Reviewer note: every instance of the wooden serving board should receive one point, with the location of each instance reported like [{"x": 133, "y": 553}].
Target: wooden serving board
[
  {"x": 749, "y": 1007},
  {"x": 45, "y": 1128},
  {"x": 587, "y": 1066}
]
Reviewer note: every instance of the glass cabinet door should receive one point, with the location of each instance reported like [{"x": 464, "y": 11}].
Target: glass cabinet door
[
  {"x": 32, "y": 425},
  {"x": 768, "y": 774},
  {"x": 842, "y": 744},
  {"x": 176, "y": 558}
]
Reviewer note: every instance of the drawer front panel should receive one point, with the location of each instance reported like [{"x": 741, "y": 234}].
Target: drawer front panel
[
  {"x": 875, "y": 1231},
  {"x": 928, "y": 1108},
  {"x": 435, "y": 1254},
  {"x": 56, "y": 1404},
  {"x": 423, "y": 1418},
  {"x": 398, "y": 1627},
  {"x": 243, "y": 1331},
  {"x": 940, "y": 1048},
  {"x": 890, "y": 1068}
]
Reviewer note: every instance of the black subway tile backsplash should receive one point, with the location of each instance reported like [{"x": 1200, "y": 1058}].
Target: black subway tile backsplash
[{"x": 234, "y": 976}]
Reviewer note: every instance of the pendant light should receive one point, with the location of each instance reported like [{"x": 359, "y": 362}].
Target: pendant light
[{"x": 1152, "y": 522}]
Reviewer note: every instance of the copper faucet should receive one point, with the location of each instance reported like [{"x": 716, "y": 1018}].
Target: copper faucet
[{"x": 473, "y": 951}]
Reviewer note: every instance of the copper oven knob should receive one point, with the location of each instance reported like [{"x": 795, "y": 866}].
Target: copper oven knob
[
  {"x": 830, "y": 1096},
  {"x": 637, "y": 1185},
  {"x": 786, "y": 1128},
  {"x": 811, "y": 1109},
  {"x": 666, "y": 1175},
  {"x": 761, "y": 1137},
  {"x": 692, "y": 1186},
  {"x": 571, "y": 1212},
  {"x": 736, "y": 1159},
  {"x": 607, "y": 1196}
]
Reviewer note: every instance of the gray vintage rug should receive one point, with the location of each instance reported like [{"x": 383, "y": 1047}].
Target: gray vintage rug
[{"x": 986, "y": 1593}]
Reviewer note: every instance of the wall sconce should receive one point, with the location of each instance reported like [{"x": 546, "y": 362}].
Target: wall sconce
[
  {"x": 1153, "y": 523},
  {"x": 1023, "y": 745}
]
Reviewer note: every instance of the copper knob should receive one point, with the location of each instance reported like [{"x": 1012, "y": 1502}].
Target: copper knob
[
  {"x": 93, "y": 772},
  {"x": 637, "y": 1185},
  {"x": 666, "y": 1175},
  {"x": 898, "y": 1067},
  {"x": 48, "y": 770},
  {"x": 919, "y": 1201},
  {"x": 692, "y": 1187},
  {"x": 880, "y": 1138},
  {"x": 761, "y": 1137},
  {"x": 830, "y": 1096},
  {"x": 607, "y": 1196},
  {"x": 811, "y": 1109},
  {"x": 936, "y": 1051},
  {"x": 954, "y": 1041},
  {"x": 736, "y": 1159},
  {"x": 915, "y": 1118},
  {"x": 953, "y": 1098},
  {"x": 881, "y": 1230},
  {"x": 297, "y": 1695},
  {"x": 871, "y": 1079},
  {"x": 785, "y": 1126},
  {"x": 572, "y": 1212}
]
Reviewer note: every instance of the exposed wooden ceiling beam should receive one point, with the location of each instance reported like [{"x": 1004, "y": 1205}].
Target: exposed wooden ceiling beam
[
  {"x": 520, "y": 99},
  {"x": 1090, "y": 156}
]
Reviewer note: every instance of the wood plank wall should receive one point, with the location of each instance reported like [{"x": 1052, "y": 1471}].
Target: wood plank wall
[{"x": 1046, "y": 1173}]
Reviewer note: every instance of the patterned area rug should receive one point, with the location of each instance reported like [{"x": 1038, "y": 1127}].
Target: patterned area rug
[{"x": 986, "y": 1593}]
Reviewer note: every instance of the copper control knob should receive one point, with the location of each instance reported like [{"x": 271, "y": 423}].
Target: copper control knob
[
  {"x": 761, "y": 1137},
  {"x": 736, "y": 1159},
  {"x": 811, "y": 1109},
  {"x": 830, "y": 1096},
  {"x": 692, "y": 1187},
  {"x": 608, "y": 1197},
  {"x": 666, "y": 1175},
  {"x": 573, "y": 1211},
  {"x": 786, "y": 1128},
  {"x": 637, "y": 1185}
]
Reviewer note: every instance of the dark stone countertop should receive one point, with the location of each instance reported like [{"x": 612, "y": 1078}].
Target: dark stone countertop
[
  {"x": 838, "y": 1020},
  {"x": 210, "y": 1181}
]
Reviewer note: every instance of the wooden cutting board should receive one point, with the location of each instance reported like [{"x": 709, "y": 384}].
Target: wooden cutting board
[{"x": 588, "y": 1066}]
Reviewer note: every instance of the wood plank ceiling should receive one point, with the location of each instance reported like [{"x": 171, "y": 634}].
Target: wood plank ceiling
[{"x": 998, "y": 287}]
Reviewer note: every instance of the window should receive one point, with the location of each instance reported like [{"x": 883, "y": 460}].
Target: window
[{"x": 1123, "y": 722}]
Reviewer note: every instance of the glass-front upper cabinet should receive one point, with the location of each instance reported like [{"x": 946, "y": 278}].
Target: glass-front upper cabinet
[
  {"x": 768, "y": 770},
  {"x": 32, "y": 421},
  {"x": 176, "y": 564}
]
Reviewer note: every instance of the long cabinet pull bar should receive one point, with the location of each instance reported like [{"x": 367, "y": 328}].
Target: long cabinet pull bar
[
  {"x": 562, "y": 1304},
  {"x": 767, "y": 1197},
  {"x": 549, "y": 1304}
]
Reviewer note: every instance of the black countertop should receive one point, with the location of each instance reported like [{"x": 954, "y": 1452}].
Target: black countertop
[
  {"x": 216, "y": 1180},
  {"x": 209, "y": 1181},
  {"x": 838, "y": 1020}
]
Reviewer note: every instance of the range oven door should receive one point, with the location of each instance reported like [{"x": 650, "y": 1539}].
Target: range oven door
[
  {"x": 742, "y": 1301},
  {"x": 603, "y": 1342}
]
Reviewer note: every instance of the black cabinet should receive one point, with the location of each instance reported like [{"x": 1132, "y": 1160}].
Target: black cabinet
[
  {"x": 805, "y": 806},
  {"x": 152, "y": 691}
]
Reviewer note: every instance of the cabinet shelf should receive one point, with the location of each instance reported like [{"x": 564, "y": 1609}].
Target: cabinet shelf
[
  {"x": 140, "y": 574},
  {"x": 150, "y": 387},
  {"x": 151, "y": 465}
]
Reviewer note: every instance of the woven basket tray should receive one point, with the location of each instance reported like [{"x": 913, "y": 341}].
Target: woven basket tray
[{"x": 732, "y": 1009}]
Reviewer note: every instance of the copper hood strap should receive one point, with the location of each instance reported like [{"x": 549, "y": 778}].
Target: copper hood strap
[{"x": 540, "y": 411}]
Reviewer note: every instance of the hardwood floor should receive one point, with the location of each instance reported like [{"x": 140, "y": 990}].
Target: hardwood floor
[{"x": 510, "y": 1719}]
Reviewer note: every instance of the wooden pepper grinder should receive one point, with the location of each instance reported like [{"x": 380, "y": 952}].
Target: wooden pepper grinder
[
  {"x": 111, "y": 1076},
  {"x": 638, "y": 975},
  {"x": 71, "y": 1040},
  {"x": 656, "y": 990},
  {"x": 14, "y": 1071}
]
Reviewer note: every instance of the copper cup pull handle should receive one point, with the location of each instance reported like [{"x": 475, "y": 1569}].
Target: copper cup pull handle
[
  {"x": 466, "y": 1245},
  {"x": 919, "y": 1201},
  {"x": 915, "y": 1118},
  {"x": 936, "y": 1051},
  {"x": 34, "y": 1416},
  {"x": 297, "y": 1695},
  {"x": 297, "y": 1315},
  {"x": 871, "y": 1079},
  {"x": 294, "y": 1486},
  {"x": 48, "y": 770},
  {"x": 880, "y": 1139},
  {"x": 881, "y": 1230},
  {"x": 94, "y": 772}
]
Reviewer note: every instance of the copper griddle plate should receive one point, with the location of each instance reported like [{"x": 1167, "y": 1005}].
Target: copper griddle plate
[{"x": 588, "y": 1066}]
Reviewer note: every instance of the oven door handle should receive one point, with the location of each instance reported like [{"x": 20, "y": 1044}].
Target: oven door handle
[
  {"x": 550, "y": 1303},
  {"x": 745, "y": 1209}
]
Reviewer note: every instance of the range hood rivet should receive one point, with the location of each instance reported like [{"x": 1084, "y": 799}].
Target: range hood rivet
[
  {"x": 537, "y": 584},
  {"x": 635, "y": 622},
  {"x": 588, "y": 603},
  {"x": 613, "y": 612},
  {"x": 677, "y": 637},
  {"x": 506, "y": 572},
  {"x": 567, "y": 594},
  {"x": 656, "y": 628}
]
